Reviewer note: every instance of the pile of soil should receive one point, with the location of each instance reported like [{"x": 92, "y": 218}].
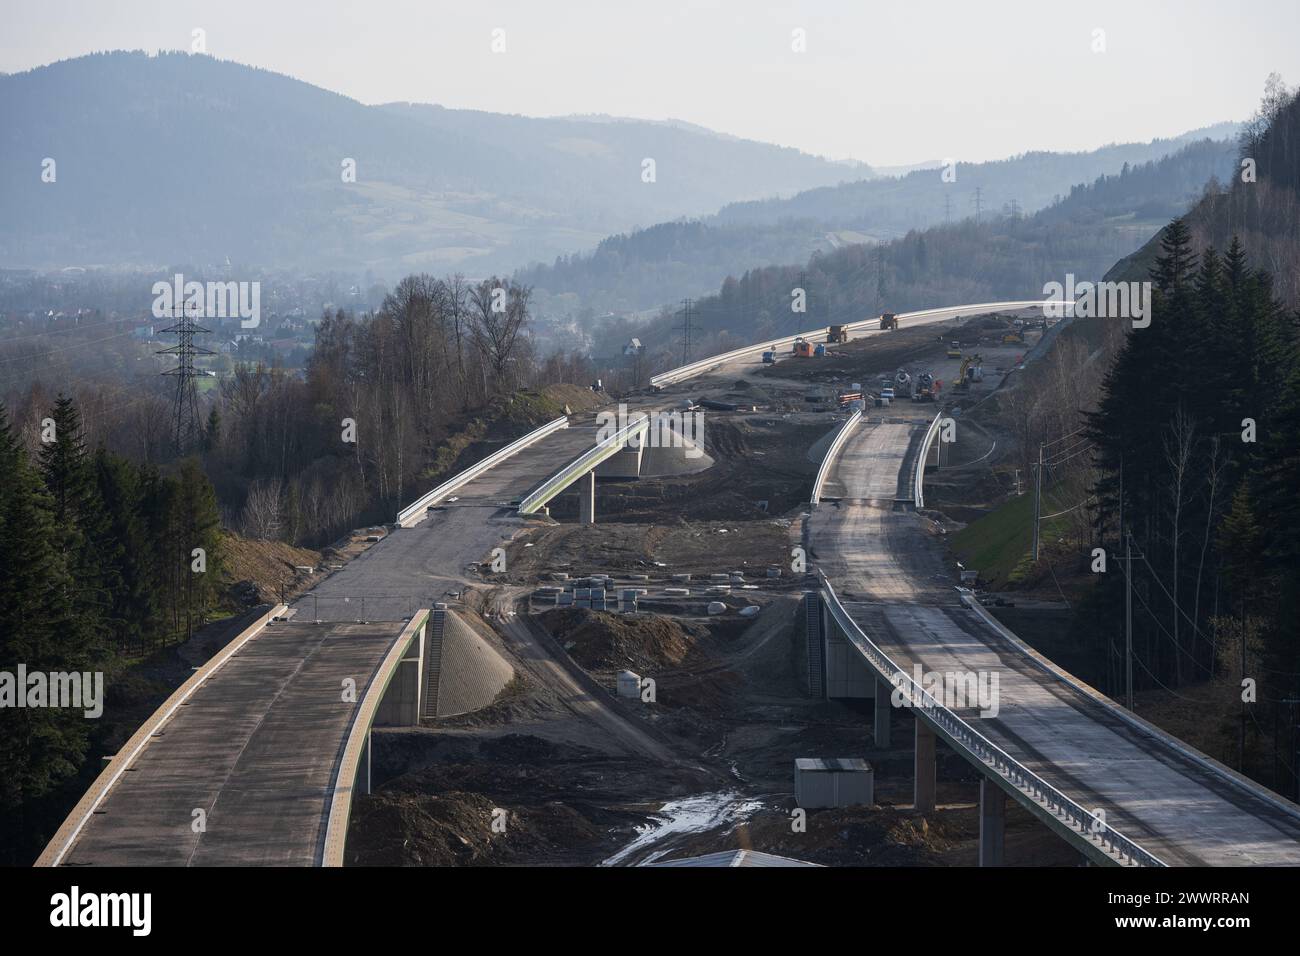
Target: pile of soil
[
  {"x": 456, "y": 829},
  {"x": 600, "y": 641},
  {"x": 262, "y": 572}
]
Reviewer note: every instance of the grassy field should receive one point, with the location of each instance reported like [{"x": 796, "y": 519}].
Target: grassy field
[{"x": 999, "y": 544}]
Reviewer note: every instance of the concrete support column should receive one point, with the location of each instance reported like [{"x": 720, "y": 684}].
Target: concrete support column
[
  {"x": 587, "y": 498},
  {"x": 923, "y": 792},
  {"x": 884, "y": 712},
  {"x": 363, "y": 768},
  {"x": 993, "y": 822}
]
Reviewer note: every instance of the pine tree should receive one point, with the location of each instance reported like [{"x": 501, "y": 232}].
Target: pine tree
[
  {"x": 39, "y": 747},
  {"x": 1178, "y": 262},
  {"x": 78, "y": 517}
]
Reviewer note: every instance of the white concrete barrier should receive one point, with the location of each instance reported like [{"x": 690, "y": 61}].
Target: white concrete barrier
[
  {"x": 832, "y": 452},
  {"x": 924, "y": 316},
  {"x": 413, "y": 513}
]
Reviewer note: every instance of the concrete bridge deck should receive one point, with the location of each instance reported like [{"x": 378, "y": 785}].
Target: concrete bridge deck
[
  {"x": 256, "y": 749},
  {"x": 1152, "y": 789}
]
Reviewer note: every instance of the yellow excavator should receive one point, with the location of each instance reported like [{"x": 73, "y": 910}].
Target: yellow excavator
[{"x": 972, "y": 370}]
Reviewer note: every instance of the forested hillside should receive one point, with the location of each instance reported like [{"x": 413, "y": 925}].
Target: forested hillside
[
  {"x": 1003, "y": 257},
  {"x": 180, "y": 158},
  {"x": 1257, "y": 204},
  {"x": 637, "y": 271}
]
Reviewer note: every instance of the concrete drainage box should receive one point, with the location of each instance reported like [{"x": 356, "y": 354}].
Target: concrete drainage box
[{"x": 833, "y": 782}]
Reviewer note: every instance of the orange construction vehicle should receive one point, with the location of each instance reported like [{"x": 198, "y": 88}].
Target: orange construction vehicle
[{"x": 803, "y": 349}]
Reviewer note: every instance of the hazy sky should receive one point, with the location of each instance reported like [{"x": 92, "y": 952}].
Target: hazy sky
[{"x": 886, "y": 82}]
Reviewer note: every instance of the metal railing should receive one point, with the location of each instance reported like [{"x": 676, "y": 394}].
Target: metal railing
[
  {"x": 604, "y": 448},
  {"x": 1085, "y": 824},
  {"x": 832, "y": 452},
  {"x": 414, "y": 511}
]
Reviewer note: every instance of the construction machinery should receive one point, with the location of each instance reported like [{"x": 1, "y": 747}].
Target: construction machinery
[
  {"x": 889, "y": 320},
  {"x": 803, "y": 349},
  {"x": 836, "y": 335},
  {"x": 954, "y": 349},
  {"x": 769, "y": 357},
  {"x": 1014, "y": 337},
  {"x": 972, "y": 370},
  {"x": 926, "y": 388},
  {"x": 902, "y": 383}
]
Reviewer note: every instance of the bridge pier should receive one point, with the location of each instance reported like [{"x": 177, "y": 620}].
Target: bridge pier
[
  {"x": 993, "y": 822},
  {"x": 923, "y": 790},
  {"x": 883, "y": 713},
  {"x": 587, "y": 498}
]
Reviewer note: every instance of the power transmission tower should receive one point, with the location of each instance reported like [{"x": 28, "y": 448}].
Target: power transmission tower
[
  {"x": 685, "y": 329},
  {"x": 978, "y": 200},
  {"x": 186, "y": 415},
  {"x": 947, "y": 208},
  {"x": 1015, "y": 209}
]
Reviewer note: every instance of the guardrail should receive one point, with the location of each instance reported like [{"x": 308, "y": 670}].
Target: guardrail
[
  {"x": 1084, "y": 823},
  {"x": 918, "y": 467},
  {"x": 585, "y": 462},
  {"x": 340, "y": 809},
  {"x": 695, "y": 368},
  {"x": 67, "y": 834},
  {"x": 1227, "y": 774},
  {"x": 412, "y": 513},
  {"x": 831, "y": 452}
]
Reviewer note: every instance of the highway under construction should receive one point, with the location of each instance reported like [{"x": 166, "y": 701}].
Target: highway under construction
[{"x": 630, "y": 652}]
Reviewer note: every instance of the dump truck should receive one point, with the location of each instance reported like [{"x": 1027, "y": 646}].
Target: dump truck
[
  {"x": 803, "y": 349},
  {"x": 889, "y": 320},
  {"x": 1015, "y": 337},
  {"x": 836, "y": 335}
]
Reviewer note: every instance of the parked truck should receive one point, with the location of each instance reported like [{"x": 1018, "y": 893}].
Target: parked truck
[
  {"x": 836, "y": 335},
  {"x": 925, "y": 388},
  {"x": 889, "y": 320}
]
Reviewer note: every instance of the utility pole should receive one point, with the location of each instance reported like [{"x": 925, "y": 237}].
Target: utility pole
[
  {"x": 1127, "y": 561},
  {"x": 1241, "y": 733},
  {"x": 803, "y": 285},
  {"x": 686, "y": 331},
  {"x": 1128, "y": 620},
  {"x": 1038, "y": 496},
  {"x": 186, "y": 402}
]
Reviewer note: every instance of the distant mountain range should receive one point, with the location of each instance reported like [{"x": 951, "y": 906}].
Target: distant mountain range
[
  {"x": 179, "y": 158},
  {"x": 1138, "y": 186}
]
